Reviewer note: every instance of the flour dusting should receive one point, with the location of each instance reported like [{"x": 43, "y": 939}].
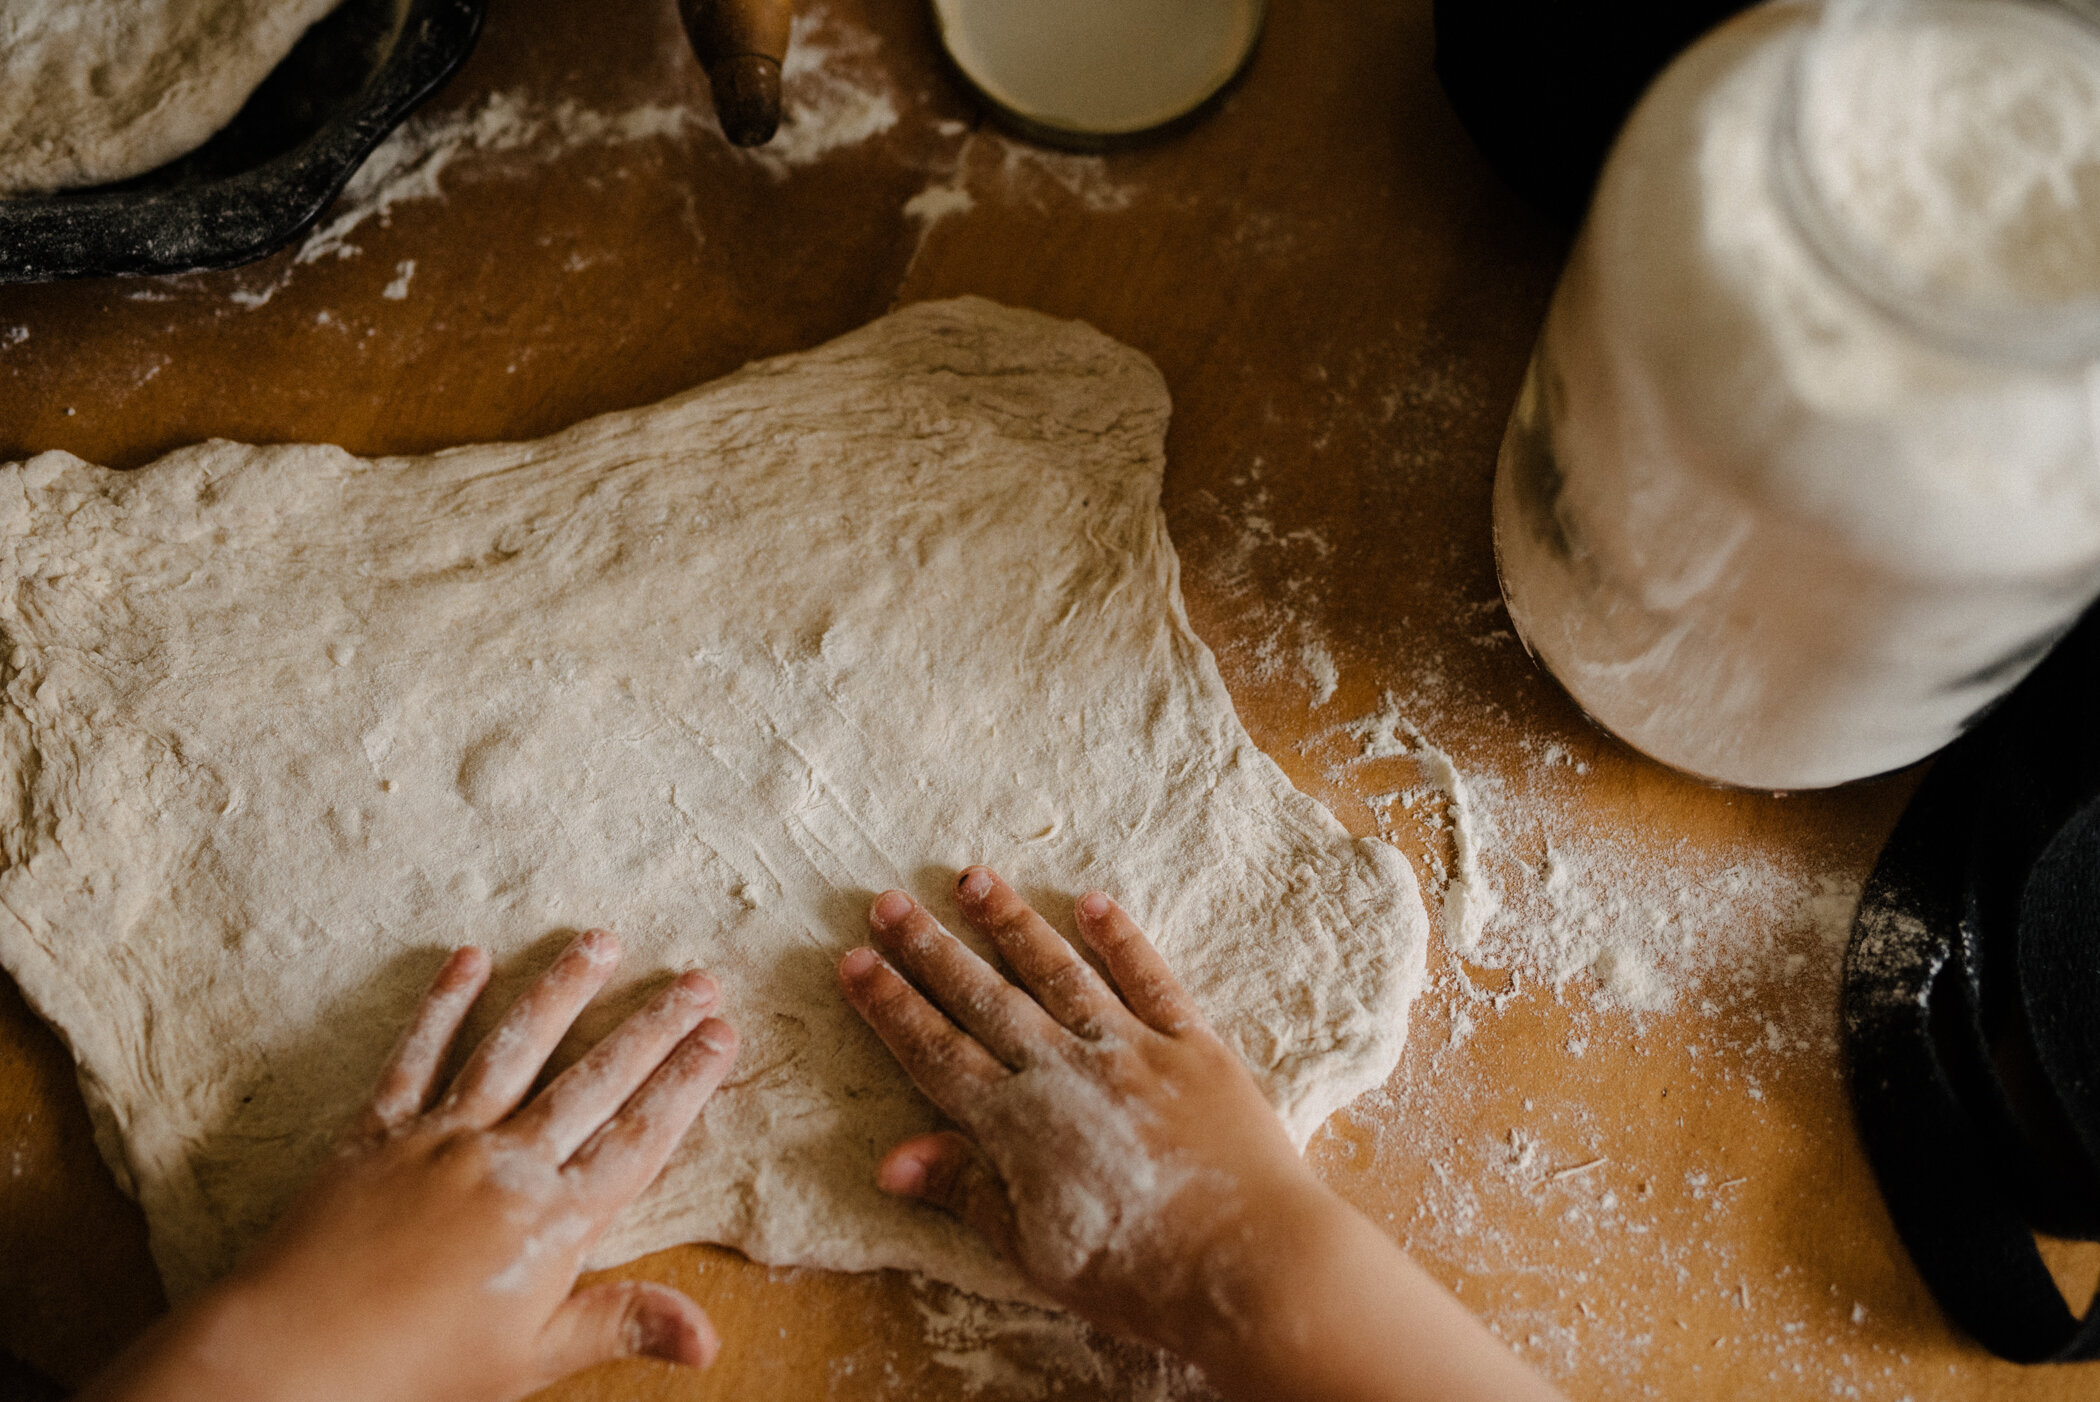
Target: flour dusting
[
  {"x": 564, "y": 1234},
  {"x": 1320, "y": 670},
  {"x": 1084, "y": 178},
  {"x": 937, "y": 202},
  {"x": 1106, "y": 1191},
  {"x": 1012, "y": 1353},
  {"x": 1470, "y": 899},
  {"x": 1561, "y": 902},
  {"x": 835, "y": 95},
  {"x": 1709, "y": 973},
  {"x": 1276, "y": 581}
]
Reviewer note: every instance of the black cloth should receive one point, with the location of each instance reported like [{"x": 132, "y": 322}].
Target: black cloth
[
  {"x": 1543, "y": 86},
  {"x": 21, "y": 1383},
  {"x": 1972, "y": 1010}
]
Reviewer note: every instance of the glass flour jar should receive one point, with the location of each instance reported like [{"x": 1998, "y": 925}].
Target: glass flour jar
[{"x": 1803, "y": 475}]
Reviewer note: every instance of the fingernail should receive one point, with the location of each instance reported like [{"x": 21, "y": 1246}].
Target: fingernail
[
  {"x": 598, "y": 946},
  {"x": 1093, "y": 905},
  {"x": 976, "y": 883},
  {"x": 698, "y": 984},
  {"x": 890, "y": 908},
  {"x": 462, "y": 967},
  {"x": 857, "y": 962},
  {"x": 901, "y": 1177}
]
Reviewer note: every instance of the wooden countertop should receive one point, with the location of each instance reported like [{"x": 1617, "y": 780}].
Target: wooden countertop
[{"x": 1666, "y": 1203}]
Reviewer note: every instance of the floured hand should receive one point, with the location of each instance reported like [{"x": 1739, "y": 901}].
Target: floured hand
[
  {"x": 435, "y": 1254},
  {"x": 1118, "y": 1153},
  {"x": 1115, "y": 1147}
]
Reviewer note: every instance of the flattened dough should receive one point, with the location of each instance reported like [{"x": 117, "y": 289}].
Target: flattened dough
[
  {"x": 281, "y": 724},
  {"x": 94, "y": 90}
]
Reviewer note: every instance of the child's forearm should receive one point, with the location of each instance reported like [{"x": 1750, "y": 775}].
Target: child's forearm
[
  {"x": 1251, "y": 1269},
  {"x": 200, "y": 1353},
  {"x": 1324, "y": 1308}
]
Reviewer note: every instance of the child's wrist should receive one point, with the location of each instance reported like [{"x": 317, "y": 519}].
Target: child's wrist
[
  {"x": 197, "y": 1354},
  {"x": 1254, "y": 1274}
]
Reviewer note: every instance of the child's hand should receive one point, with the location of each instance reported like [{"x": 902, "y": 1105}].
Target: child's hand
[
  {"x": 1122, "y": 1157},
  {"x": 434, "y": 1255}
]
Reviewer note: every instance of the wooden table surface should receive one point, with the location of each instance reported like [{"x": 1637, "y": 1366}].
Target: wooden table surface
[{"x": 1664, "y": 1202}]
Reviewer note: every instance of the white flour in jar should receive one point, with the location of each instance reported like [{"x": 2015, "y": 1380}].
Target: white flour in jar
[{"x": 1763, "y": 509}]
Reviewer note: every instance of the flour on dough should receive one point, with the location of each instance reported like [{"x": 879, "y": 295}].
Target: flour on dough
[
  {"x": 280, "y": 725},
  {"x": 95, "y": 90}
]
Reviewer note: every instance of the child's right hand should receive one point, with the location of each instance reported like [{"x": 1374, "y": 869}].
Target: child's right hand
[
  {"x": 1122, "y": 1157},
  {"x": 1118, "y": 1153}
]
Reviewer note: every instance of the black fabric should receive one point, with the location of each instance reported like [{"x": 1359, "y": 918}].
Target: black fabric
[
  {"x": 21, "y": 1383},
  {"x": 1543, "y": 86},
  {"x": 1972, "y": 1011}
]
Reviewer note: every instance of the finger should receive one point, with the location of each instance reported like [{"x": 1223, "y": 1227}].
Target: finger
[
  {"x": 504, "y": 1066},
  {"x": 1051, "y": 969},
  {"x": 625, "y": 1319},
  {"x": 1141, "y": 976},
  {"x": 588, "y": 1094},
  {"x": 946, "y": 1171},
  {"x": 630, "y": 1149},
  {"x": 405, "y": 1086},
  {"x": 1010, "y": 1024},
  {"x": 944, "y": 1061}
]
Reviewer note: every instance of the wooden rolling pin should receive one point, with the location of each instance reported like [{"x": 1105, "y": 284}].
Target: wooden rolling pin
[{"x": 741, "y": 44}]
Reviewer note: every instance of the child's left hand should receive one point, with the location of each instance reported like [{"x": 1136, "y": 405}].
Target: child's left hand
[{"x": 434, "y": 1256}]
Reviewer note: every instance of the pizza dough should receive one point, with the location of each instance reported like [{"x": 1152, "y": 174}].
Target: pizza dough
[
  {"x": 95, "y": 90},
  {"x": 280, "y": 725}
]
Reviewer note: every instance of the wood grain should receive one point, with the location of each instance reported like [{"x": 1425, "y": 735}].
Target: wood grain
[{"x": 1342, "y": 298}]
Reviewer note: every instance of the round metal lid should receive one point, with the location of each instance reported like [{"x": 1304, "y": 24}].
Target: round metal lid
[{"x": 1093, "y": 73}]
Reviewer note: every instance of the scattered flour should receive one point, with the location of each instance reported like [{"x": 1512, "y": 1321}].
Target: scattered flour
[
  {"x": 1012, "y": 1353},
  {"x": 1084, "y": 178},
  {"x": 837, "y": 95},
  {"x": 1308, "y": 661},
  {"x": 1716, "y": 969},
  {"x": 13, "y": 335},
  {"x": 410, "y": 165},
  {"x": 1277, "y": 580},
  {"x": 1319, "y": 665},
  {"x": 1526, "y": 891},
  {"x": 397, "y": 290},
  {"x": 1382, "y": 731},
  {"x": 937, "y": 202},
  {"x": 1470, "y": 897},
  {"x": 1647, "y": 931}
]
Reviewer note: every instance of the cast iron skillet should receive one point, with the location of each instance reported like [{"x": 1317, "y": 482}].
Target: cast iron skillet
[{"x": 270, "y": 172}]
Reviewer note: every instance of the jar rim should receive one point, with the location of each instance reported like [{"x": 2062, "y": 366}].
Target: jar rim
[{"x": 2043, "y": 333}]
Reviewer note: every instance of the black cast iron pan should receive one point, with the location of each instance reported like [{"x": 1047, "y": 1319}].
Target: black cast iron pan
[{"x": 270, "y": 171}]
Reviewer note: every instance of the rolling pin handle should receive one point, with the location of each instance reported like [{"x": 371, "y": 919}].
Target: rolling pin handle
[{"x": 741, "y": 44}]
